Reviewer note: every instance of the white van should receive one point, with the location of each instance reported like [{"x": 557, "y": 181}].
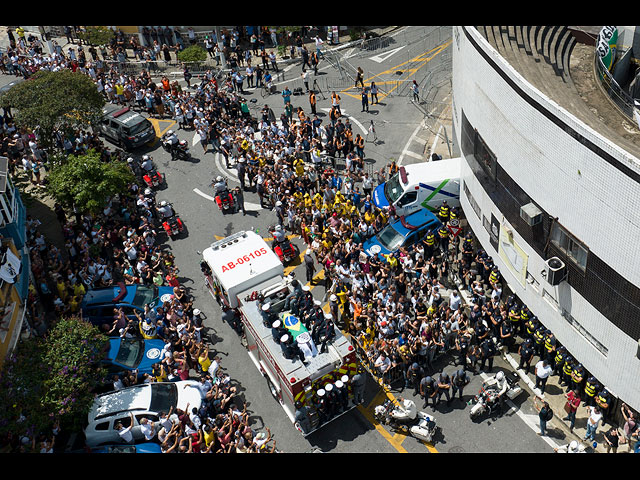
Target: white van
[{"x": 421, "y": 185}]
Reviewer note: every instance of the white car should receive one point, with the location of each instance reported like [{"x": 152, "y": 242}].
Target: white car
[{"x": 147, "y": 400}]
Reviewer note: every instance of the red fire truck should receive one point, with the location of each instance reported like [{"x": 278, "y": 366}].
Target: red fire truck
[{"x": 239, "y": 270}]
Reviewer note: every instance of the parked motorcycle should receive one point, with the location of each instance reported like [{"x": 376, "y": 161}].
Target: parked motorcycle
[
  {"x": 403, "y": 416},
  {"x": 487, "y": 399}
]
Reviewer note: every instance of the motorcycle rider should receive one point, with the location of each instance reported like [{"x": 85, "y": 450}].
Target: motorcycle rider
[
  {"x": 165, "y": 210},
  {"x": 219, "y": 185},
  {"x": 147, "y": 163},
  {"x": 278, "y": 234},
  {"x": 171, "y": 141},
  {"x": 496, "y": 394}
]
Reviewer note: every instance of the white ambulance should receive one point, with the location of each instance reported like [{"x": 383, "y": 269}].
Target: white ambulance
[{"x": 421, "y": 185}]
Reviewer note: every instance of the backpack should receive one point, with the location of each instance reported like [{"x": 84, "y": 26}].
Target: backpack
[{"x": 549, "y": 414}]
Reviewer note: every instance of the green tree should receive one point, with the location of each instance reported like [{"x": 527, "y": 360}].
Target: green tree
[
  {"x": 51, "y": 101},
  {"x": 86, "y": 183},
  {"x": 52, "y": 378},
  {"x": 192, "y": 54},
  {"x": 97, "y": 35}
]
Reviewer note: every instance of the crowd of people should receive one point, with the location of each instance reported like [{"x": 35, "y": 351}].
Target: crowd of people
[
  {"x": 402, "y": 310},
  {"x": 124, "y": 244}
]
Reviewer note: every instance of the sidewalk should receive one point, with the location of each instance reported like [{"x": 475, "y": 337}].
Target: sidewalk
[{"x": 558, "y": 429}]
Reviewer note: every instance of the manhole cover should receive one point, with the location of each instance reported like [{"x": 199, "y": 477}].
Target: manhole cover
[{"x": 456, "y": 450}]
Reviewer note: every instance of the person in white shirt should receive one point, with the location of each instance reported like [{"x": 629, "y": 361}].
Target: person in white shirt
[
  {"x": 543, "y": 370},
  {"x": 125, "y": 433},
  {"x": 148, "y": 429}
]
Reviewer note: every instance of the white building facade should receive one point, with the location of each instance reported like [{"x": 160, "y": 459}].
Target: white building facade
[{"x": 538, "y": 184}]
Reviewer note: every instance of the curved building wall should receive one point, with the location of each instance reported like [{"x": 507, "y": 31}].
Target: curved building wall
[{"x": 520, "y": 147}]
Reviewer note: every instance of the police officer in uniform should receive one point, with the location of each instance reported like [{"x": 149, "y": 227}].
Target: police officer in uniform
[
  {"x": 567, "y": 370},
  {"x": 444, "y": 387},
  {"x": 525, "y": 316},
  {"x": 515, "y": 317},
  {"x": 413, "y": 376},
  {"x": 577, "y": 377},
  {"x": 430, "y": 243},
  {"x": 591, "y": 388},
  {"x": 443, "y": 212},
  {"x": 550, "y": 347},
  {"x": 531, "y": 326},
  {"x": 443, "y": 239},
  {"x": 558, "y": 360},
  {"x": 526, "y": 355},
  {"x": 358, "y": 382},
  {"x": 428, "y": 390},
  {"x": 538, "y": 341},
  {"x": 459, "y": 381},
  {"x": 487, "y": 352},
  {"x": 603, "y": 400}
]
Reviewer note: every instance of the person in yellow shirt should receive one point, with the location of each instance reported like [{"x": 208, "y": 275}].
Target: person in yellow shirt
[
  {"x": 203, "y": 358},
  {"x": 308, "y": 202},
  {"x": 79, "y": 290}
]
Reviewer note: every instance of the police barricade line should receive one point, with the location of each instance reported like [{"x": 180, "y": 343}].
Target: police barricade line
[{"x": 394, "y": 374}]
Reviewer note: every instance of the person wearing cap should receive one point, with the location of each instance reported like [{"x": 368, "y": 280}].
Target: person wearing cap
[
  {"x": 342, "y": 395},
  {"x": 413, "y": 375},
  {"x": 459, "y": 381},
  {"x": 428, "y": 390},
  {"x": 320, "y": 401},
  {"x": 358, "y": 383},
  {"x": 277, "y": 331},
  {"x": 268, "y": 317}
]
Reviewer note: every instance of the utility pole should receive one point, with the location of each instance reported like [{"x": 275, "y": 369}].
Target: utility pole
[{"x": 220, "y": 48}]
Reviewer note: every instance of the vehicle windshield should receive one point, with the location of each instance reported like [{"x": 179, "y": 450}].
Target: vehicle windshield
[
  {"x": 164, "y": 395},
  {"x": 393, "y": 189},
  {"x": 390, "y": 239},
  {"x": 144, "y": 295},
  {"x": 131, "y": 352},
  {"x": 137, "y": 127}
]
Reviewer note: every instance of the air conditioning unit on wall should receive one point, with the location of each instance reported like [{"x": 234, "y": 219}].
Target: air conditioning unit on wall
[
  {"x": 556, "y": 270},
  {"x": 531, "y": 214}
]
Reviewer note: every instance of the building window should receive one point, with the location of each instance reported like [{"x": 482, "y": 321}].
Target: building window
[
  {"x": 575, "y": 250},
  {"x": 473, "y": 144},
  {"x": 472, "y": 201}
]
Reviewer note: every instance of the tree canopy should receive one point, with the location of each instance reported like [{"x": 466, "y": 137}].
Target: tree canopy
[
  {"x": 86, "y": 183},
  {"x": 50, "y": 101},
  {"x": 52, "y": 378}
]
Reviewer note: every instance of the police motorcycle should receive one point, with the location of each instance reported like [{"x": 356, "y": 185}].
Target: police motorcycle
[
  {"x": 488, "y": 398},
  {"x": 171, "y": 222},
  {"x": 150, "y": 175},
  {"x": 179, "y": 149},
  {"x": 285, "y": 250},
  {"x": 224, "y": 197},
  {"x": 403, "y": 415}
]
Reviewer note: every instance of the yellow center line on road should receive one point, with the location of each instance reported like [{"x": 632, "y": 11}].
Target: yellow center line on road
[{"x": 423, "y": 58}]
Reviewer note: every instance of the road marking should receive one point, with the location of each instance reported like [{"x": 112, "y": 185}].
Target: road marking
[
  {"x": 354, "y": 120},
  {"x": 383, "y": 56},
  {"x": 254, "y": 207}
]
